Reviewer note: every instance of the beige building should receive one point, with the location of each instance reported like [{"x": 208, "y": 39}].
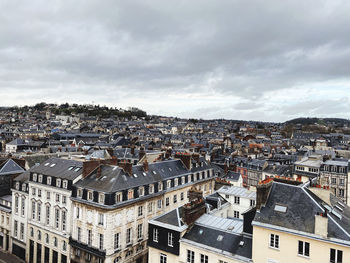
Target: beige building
[{"x": 5, "y": 222}]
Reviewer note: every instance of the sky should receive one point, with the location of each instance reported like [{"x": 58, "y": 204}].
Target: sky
[{"x": 248, "y": 60}]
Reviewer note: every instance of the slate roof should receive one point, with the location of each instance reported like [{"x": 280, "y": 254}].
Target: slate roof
[
  {"x": 174, "y": 217},
  {"x": 302, "y": 206},
  {"x": 10, "y": 167},
  {"x": 237, "y": 191}
]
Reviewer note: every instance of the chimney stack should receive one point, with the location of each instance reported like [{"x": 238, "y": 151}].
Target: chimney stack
[
  {"x": 133, "y": 149},
  {"x": 145, "y": 166},
  {"x": 185, "y": 158},
  {"x": 141, "y": 153},
  {"x": 262, "y": 193},
  {"x": 89, "y": 167},
  {"x": 195, "y": 208}
]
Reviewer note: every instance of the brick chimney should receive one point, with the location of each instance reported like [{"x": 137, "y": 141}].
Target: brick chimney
[
  {"x": 145, "y": 166},
  {"x": 142, "y": 153},
  {"x": 168, "y": 153},
  {"x": 132, "y": 149},
  {"x": 195, "y": 156},
  {"x": 262, "y": 193},
  {"x": 195, "y": 208},
  {"x": 126, "y": 166},
  {"x": 185, "y": 158},
  {"x": 89, "y": 167},
  {"x": 321, "y": 224}
]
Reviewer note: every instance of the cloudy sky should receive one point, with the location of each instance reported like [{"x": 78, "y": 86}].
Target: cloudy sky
[{"x": 258, "y": 60}]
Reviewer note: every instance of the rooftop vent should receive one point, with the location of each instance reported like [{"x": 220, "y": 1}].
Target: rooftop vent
[
  {"x": 280, "y": 208},
  {"x": 241, "y": 243}
]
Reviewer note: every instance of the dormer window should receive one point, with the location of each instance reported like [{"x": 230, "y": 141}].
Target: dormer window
[
  {"x": 101, "y": 198},
  {"x": 40, "y": 178},
  {"x": 183, "y": 180},
  {"x": 118, "y": 197},
  {"x": 141, "y": 191},
  {"x": 65, "y": 184},
  {"x": 80, "y": 193},
  {"x": 49, "y": 179},
  {"x": 58, "y": 182},
  {"x": 130, "y": 194},
  {"x": 176, "y": 182},
  {"x": 23, "y": 187},
  {"x": 168, "y": 184},
  {"x": 35, "y": 177},
  {"x": 17, "y": 186},
  {"x": 160, "y": 186},
  {"x": 151, "y": 189},
  {"x": 90, "y": 195},
  {"x": 189, "y": 178}
]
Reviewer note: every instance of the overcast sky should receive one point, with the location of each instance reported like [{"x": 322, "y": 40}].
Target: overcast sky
[{"x": 254, "y": 60}]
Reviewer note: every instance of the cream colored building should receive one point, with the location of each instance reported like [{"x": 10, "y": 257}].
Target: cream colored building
[{"x": 5, "y": 222}]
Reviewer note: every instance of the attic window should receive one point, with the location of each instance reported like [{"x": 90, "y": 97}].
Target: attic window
[
  {"x": 220, "y": 237},
  {"x": 70, "y": 168},
  {"x": 52, "y": 165},
  {"x": 46, "y": 164},
  {"x": 135, "y": 175},
  {"x": 77, "y": 169},
  {"x": 280, "y": 208},
  {"x": 144, "y": 174}
]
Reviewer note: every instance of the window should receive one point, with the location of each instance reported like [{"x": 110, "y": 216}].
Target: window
[
  {"x": 141, "y": 191},
  {"x": 32, "y": 232},
  {"x": 23, "y": 205},
  {"x": 150, "y": 207},
  {"x": 167, "y": 201},
  {"x": 65, "y": 184},
  {"x": 189, "y": 178},
  {"x": 57, "y": 198},
  {"x": 55, "y": 241},
  {"x": 101, "y": 241},
  {"x": 89, "y": 237},
  {"x": 49, "y": 179},
  {"x": 139, "y": 231},
  {"x": 33, "y": 210},
  {"x": 128, "y": 236},
  {"x": 237, "y": 200},
  {"x": 274, "y": 241},
  {"x": 175, "y": 198},
  {"x": 341, "y": 193},
  {"x": 160, "y": 186},
  {"x": 16, "y": 204},
  {"x": 227, "y": 196},
  {"x": 252, "y": 202},
  {"x": 15, "y": 228},
  {"x": 58, "y": 182},
  {"x": 39, "y": 235},
  {"x": 79, "y": 233},
  {"x": 64, "y": 219},
  {"x": 163, "y": 258},
  {"x": 39, "y": 193},
  {"x": 140, "y": 211},
  {"x": 334, "y": 180},
  {"x": 159, "y": 203},
  {"x": 118, "y": 197},
  {"x": 33, "y": 191},
  {"x": 170, "y": 239},
  {"x": 24, "y": 187},
  {"x": 341, "y": 181},
  {"x": 22, "y": 231},
  {"x": 182, "y": 196},
  {"x": 90, "y": 196},
  {"x": 77, "y": 252},
  {"x": 190, "y": 256},
  {"x": 204, "y": 258},
  {"x": 80, "y": 193},
  {"x": 64, "y": 246},
  {"x": 64, "y": 200},
  {"x": 47, "y": 240},
  {"x": 117, "y": 241},
  {"x": 176, "y": 182},
  {"x": 101, "y": 198},
  {"x": 130, "y": 194},
  {"x": 48, "y": 195},
  {"x": 155, "y": 234},
  {"x": 235, "y": 214},
  {"x": 151, "y": 189},
  {"x": 47, "y": 215},
  {"x": 34, "y": 177},
  {"x": 39, "y": 212},
  {"x": 336, "y": 256},
  {"x": 304, "y": 248},
  {"x": 57, "y": 218}
]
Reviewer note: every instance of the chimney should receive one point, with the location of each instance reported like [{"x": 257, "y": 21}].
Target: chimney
[
  {"x": 168, "y": 154},
  {"x": 195, "y": 208},
  {"x": 132, "y": 149},
  {"x": 321, "y": 224},
  {"x": 185, "y": 158},
  {"x": 226, "y": 169},
  {"x": 126, "y": 166},
  {"x": 142, "y": 153},
  {"x": 195, "y": 156},
  {"x": 110, "y": 152},
  {"x": 145, "y": 166},
  {"x": 262, "y": 193},
  {"x": 89, "y": 167}
]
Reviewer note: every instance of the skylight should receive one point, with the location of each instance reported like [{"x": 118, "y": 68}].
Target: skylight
[
  {"x": 77, "y": 169},
  {"x": 46, "y": 164},
  {"x": 70, "y": 168},
  {"x": 200, "y": 231},
  {"x": 220, "y": 237},
  {"x": 339, "y": 203},
  {"x": 280, "y": 208},
  {"x": 52, "y": 165}
]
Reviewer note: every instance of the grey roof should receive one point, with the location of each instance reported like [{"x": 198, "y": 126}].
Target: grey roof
[
  {"x": 60, "y": 168},
  {"x": 11, "y": 167},
  {"x": 174, "y": 217},
  {"x": 225, "y": 224},
  {"x": 208, "y": 236},
  {"x": 302, "y": 206},
  {"x": 237, "y": 191}
]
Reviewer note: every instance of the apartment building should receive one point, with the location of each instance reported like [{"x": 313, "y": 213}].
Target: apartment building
[
  {"x": 112, "y": 205},
  {"x": 5, "y": 222},
  {"x": 19, "y": 214},
  {"x": 50, "y": 209},
  {"x": 334, "y": 174},
  {"x": 241, "y": 200},
  {"x": 300, "y": 224},
  {"x": 307, "y": 168}
]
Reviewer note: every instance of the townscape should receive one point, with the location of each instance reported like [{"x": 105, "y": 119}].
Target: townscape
[{"x": 84, "y": 183}]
